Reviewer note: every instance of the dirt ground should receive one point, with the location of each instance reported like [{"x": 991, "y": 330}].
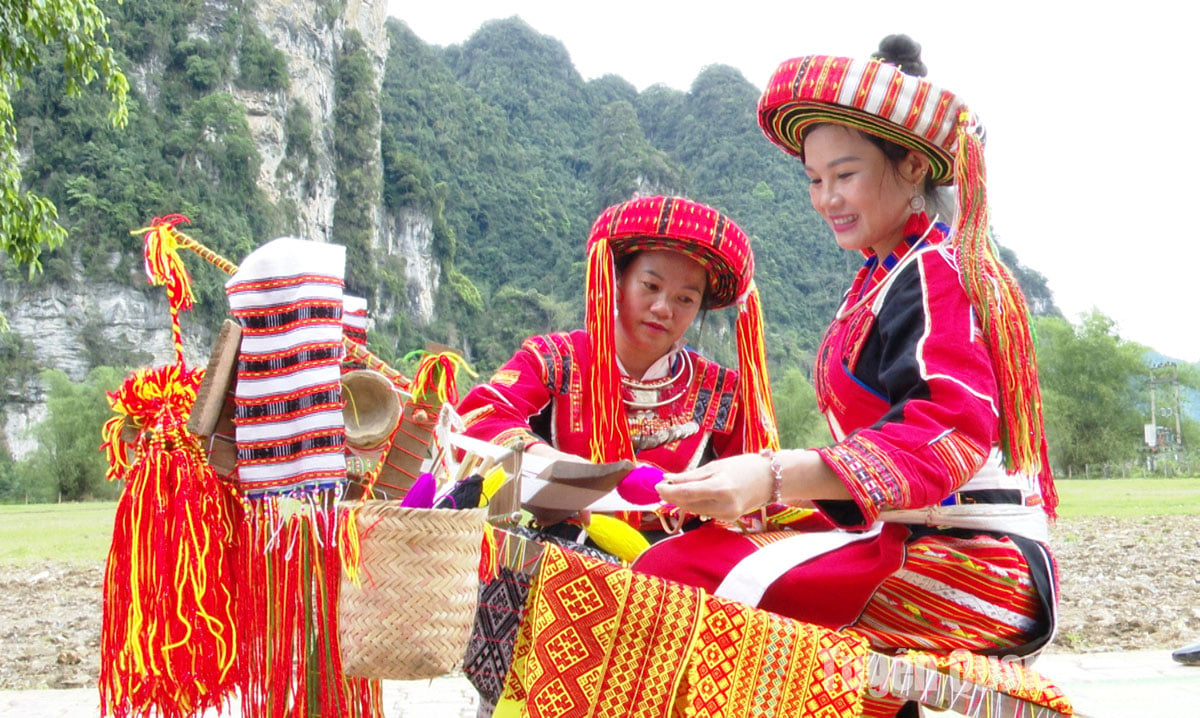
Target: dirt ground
[{"x": 1125, "y": 585}]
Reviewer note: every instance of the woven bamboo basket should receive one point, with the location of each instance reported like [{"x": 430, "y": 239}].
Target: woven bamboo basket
[{"x": 411, "y": 615}]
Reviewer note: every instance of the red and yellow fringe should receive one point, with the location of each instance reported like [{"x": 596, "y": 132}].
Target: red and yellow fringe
[
  {"x": 610, "y": 428},
  {"x": 754, "y": 383},
  {"x": 168, "y": 642},
  {"x": 1004, "y": 319},
  {"x": 287, "y": 607}
]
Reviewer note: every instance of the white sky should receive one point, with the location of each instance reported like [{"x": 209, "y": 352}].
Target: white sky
[{"x": 1089, "y": 184}]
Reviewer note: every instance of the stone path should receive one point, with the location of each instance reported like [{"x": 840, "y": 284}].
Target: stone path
[{"x": 1141, "y": 684}]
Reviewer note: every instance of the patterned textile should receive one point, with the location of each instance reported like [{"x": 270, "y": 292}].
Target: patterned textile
[
  {"x": 500, "y": 610},
  {"x": 955, "y": 593},
  {"x": 354, "y": 325},
  {"x": 755, "y": 663},
  {"x": 499, "y": 613},
  {"x": 599, "y": 640},
  {"x": 867, "y": 94},
  {"x": 1011, "y": 677},
  {"x": 287, "y": 296}
]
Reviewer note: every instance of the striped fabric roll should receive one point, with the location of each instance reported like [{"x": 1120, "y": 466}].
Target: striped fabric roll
[
  {"x": 354, "y": 318},
  {"x": 354, "y": 325},
  {"x": 287, "y": 297}
]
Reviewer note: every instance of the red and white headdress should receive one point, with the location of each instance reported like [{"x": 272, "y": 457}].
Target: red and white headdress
[
  {"x": 723, "y": 249},
  {"x": 880, "y": 99}
]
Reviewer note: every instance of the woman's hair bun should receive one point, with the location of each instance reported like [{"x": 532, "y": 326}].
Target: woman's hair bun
[{"x": 903, "y": 52}]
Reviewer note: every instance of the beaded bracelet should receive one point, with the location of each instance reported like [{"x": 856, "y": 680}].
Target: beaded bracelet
[{"x": 776, "y": 474}]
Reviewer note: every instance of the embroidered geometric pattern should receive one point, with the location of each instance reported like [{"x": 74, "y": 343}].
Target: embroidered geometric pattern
[
  {"x": 758, "y": 664},
  {"x": 489, "y": 650},
  {"x": 981, "y": 602},
  {"x": 1011, "y": 677},
  {"x": 600, "y": 640},
  {"x": 872, "y": 477}
]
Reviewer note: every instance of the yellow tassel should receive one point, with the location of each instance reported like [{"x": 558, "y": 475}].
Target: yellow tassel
[
  {"x": 1004, "y": 319},
  {"x": 491, "y": 484},
  {"x": 437, "y": 376},
  {"x": 350, "y": 546},
  {"x": 616, "y": 537}
]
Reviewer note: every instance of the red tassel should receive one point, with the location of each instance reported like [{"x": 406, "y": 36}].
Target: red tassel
[
  {"x": 287, "y": 604},
  {"x": 168, "y": 639},
  {"x": 754, "y": 383},
  {"x": 610, "y": 427},
  {"x": 1004, "y": 319}
]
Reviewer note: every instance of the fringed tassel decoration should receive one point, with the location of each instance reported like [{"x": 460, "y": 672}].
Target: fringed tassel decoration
[
  {"x": 754, "y": 383},
  {"x": 610, "y": 429},
  {"x": 436, "y": 378},
  {"x": 489, "y": 555},
  {"x": 1004, "y": 319},
  {"x": 287, "y": 603},
  {"x": 168, "y": 639}
]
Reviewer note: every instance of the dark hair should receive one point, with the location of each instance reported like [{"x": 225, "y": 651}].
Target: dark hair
[{"x": 902, "y": 52}]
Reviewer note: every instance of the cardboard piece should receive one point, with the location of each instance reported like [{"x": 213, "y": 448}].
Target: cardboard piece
[{"x": 212, "y": 413}]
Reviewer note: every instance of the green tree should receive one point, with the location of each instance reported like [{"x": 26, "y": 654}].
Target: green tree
[
  {"x": 68, "y": 464},
  {"x": 801, "y": 424},
  {"x": 1092, "y": 394},
  {"x": 28, "y": 222}
]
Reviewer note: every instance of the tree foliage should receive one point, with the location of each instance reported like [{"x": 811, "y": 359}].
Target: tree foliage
[
  {"x": 68, "y": 464},
  {"x": 28, "y": 33},
  {"x": 800, "y": 423},
  {"x": 356, "y": 137},
  {"x": 1092, "y": 390}
]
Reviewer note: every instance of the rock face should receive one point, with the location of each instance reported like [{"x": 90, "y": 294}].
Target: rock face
[
  {"x": 68, "y": 327},
  {"x": 309, "y": 39}
]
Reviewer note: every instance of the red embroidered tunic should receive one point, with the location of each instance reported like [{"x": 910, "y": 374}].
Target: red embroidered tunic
[
  {"x": 934, "y": 549},
  {"x": 678, "y": 422}
]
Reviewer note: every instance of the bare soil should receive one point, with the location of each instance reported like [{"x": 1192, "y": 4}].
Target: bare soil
[{"x": 1125, "y": 585}]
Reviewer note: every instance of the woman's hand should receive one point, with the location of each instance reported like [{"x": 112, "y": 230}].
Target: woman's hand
[{"x": 724, "y": 489}]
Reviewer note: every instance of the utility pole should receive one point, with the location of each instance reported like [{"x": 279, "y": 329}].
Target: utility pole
[{"x": 1173, "y": 379}]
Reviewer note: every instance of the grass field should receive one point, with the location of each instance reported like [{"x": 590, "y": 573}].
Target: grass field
[
  {"x": 74, "y": 533},
  {"x": 81, "y": 533},
  {"x": 1128, "y": 498}
]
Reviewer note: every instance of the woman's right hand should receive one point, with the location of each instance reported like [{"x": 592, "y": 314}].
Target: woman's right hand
[{"x": 724, "y": 489}]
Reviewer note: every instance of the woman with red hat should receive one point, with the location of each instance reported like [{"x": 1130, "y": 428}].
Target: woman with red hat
[
  {"x": 628, "y": 387},
  {"x": 937, "y": 482}
]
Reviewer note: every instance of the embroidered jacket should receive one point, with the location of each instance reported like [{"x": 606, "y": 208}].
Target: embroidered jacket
[
  {"x": 687, "y": 418},
  {"x": 904, "y": 379}
]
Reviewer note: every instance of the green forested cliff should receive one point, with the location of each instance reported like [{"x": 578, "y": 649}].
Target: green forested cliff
[
  {"x": 482, "y": 165},
  {"x": 499, "y": 140}
]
